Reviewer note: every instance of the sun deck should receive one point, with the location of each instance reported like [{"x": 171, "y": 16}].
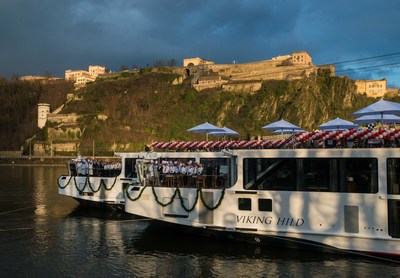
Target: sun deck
[{"x": 352, "y": 138}]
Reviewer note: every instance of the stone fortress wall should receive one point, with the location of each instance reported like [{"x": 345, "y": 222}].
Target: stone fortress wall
[
  {"x": 249, "y": 76},
  {"x": 63, "y": 118}
]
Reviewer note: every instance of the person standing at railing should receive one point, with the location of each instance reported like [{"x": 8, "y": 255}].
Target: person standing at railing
[
  {"x": 180, "y": 164},
  {"x": 90, "y": 167},
  {"x": 165, "y": 171},
  {"x": 84, "y": 167},
  {"x": 72, "y": 167},
  {"x": 200, "y": 169},
  {"x": 156, "y": 173},
  {"x": 79, "y": 167},
  {"x": 184, "y": 171},
  {"x": 191, "y": 170},
  {"x": 173, "y": 168},
  {"x": 150, "y": 170}
]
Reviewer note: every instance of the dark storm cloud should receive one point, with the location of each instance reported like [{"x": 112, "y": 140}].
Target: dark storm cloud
[
  {"x": 47, "y": 35},
  {"x": 350, "y": 30}
]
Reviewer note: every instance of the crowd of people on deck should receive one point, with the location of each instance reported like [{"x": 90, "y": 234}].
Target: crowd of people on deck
[
  {"x": 176, "y": 167},
  {"x": 93, "y": 167},
  {"x": 158, "y": 172}
]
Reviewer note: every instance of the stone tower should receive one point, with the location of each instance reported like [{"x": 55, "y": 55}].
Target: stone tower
[{"x": 43, "y": 110}]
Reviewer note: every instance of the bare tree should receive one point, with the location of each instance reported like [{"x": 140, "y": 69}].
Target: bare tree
[
  {"x": 48, "y": 74},
  {"x": 159, "y": 64},
  {"x": 172, "y": 63},
  {"x": 124, "y": 67}
]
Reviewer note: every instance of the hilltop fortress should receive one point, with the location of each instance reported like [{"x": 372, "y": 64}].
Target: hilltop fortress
[{"x": 247, "y": 77}]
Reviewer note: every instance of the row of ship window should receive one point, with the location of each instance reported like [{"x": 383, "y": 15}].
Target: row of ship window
[{"x": 351, "y": 175}]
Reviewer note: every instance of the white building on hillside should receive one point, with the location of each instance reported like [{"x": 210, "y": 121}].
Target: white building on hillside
[
  {"x": 43, "y": 111},
  {"x": 95, "y": 71},
  {"x": 81, "y": 77},
  {"x": 72, "y": 75},
  {"x": 82, "y": 80}
]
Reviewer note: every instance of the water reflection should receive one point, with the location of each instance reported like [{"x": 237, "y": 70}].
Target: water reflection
[
  {"x": 43, "y": 234},
  {"x": 98, "y": 237},
  {"x": 179, "y": 253}
]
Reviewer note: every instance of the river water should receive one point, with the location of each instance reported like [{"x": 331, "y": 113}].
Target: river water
[{"x": 43, "y": 234}]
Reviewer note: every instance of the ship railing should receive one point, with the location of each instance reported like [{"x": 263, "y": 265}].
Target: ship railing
[
  {"x": 353, "y": 138},
  {"x": 212, "y": 181}
]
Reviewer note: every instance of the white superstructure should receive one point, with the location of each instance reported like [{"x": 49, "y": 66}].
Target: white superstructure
[{"x": 344, "y": 199}]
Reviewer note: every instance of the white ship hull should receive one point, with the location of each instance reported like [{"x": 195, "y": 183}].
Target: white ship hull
[
  {"x": 340, "y": 221},
  {"x": 321, "y": 226},
  {"x": 93, "y": 190},
  {"x": 99, "y": 184}
]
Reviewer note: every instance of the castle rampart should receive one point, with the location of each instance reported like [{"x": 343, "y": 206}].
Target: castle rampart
[
  {"x": 290, "y": 67},
  {"x": 63, "y": 118}
]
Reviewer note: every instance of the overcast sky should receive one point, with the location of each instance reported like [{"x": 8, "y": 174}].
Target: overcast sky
[{"x": 38, "y": 36}]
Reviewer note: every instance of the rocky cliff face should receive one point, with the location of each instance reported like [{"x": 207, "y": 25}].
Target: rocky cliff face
[{"x": 149, "y": 108}]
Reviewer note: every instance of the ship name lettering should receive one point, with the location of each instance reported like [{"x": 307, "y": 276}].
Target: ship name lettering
[
  {"x": 253, "y": 219},
  {"x": 288, "y": 221}
]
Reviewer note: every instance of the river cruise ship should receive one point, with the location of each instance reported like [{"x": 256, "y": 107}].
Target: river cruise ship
[
  {"x": 342, "y": 199},
  {"x": 99, "y": 182}
]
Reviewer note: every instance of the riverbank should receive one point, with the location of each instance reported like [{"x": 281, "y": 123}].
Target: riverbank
[
  {"x": 31, "y": 161},
  {"x": 15, "y": 159}
]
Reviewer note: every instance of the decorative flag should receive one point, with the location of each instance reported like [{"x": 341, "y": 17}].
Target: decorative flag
[{"x": 370, "y": 126}]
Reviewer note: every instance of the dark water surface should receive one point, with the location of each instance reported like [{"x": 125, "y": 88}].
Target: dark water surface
[{"x": 43, "y": 234}]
